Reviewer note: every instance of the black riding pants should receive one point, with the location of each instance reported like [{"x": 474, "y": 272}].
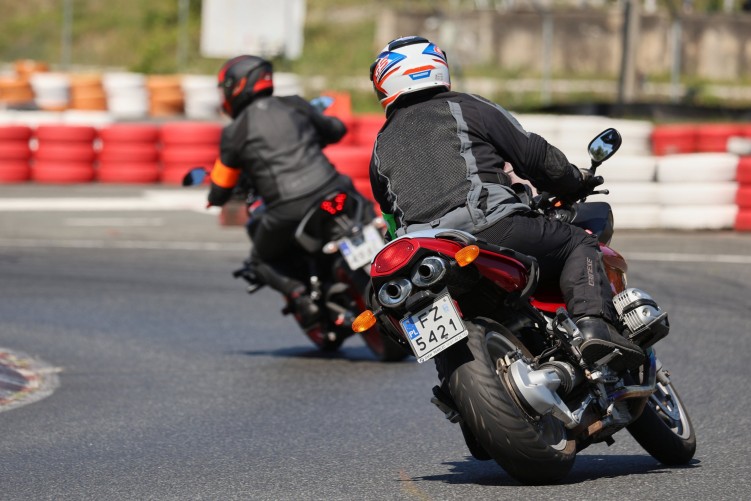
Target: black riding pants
[
  {"x": 275, "y": 255},
  {"x": 565, "y": 253}
]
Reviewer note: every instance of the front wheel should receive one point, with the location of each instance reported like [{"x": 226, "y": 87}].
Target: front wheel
[
  {"x": 533, "y": 450},
  {"x": 664, "y": 428}
]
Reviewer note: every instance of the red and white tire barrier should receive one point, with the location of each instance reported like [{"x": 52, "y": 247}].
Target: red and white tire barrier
[
  {"x": 64, "y": 154},
  {"x": 129, "y": 154},
  {"x": 15, "y": 153},
  {"x": 202, "y": 97},
  {"x": 743, "y": 198},
  {"x": 185, "y": 145},
  {"x": 127, "y": 96},
  {"x": 685, "y": 176}
]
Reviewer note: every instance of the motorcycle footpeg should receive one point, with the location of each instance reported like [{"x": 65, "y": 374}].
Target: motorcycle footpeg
[
  {"x": 445, "y": 404},
  {"x": 249, "y": 276}
]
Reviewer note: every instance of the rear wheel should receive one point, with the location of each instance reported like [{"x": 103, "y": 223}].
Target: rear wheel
[
  {"x": 320, "y": 337},
  {"x": 664, "y": 428},
  {"x": 531, "y": 449},
  {"x": 383, "y": 347}
]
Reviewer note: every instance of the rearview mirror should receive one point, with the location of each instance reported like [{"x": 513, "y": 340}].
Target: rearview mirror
[
  {"x": 195, "y": 176},
  {"x": 604, "y": 146},
  {"x": 322, "y": 103}
]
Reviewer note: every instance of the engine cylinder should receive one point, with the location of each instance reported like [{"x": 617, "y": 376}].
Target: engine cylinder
[{"x": 641, "y": 315}]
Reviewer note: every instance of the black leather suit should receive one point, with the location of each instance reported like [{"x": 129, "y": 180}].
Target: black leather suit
[
  {"x": 438, "y": 162},
  {"x": 277, "y": 142}
]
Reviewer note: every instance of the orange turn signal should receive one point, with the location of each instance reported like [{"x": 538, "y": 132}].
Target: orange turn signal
[
  {"x": 466, "y": 255},
  {"x": 364, "y": 321}
]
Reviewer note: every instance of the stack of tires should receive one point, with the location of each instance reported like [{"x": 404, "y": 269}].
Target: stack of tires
[
  {"x": 64, "y": 154},
  {"x": 698, "y": 179},
  {"x": 697, "y": 191},
  {"x": 743, "y": 177},
  {"x": 15, "y": 153},
  {"x": 351, "y": 156},
  {"x": 165, "y": 96},
  {"x": 352, "y": 161},
  {"x": 201, "y": 95},
  {"x": 87, "y": 93},
  {"x": 127, "y": 97},
  {"x": 674, "y": 139},
  {"x": 634, "y": 193},
  {"x": 366, "y": 129},
  {"x": 15, "y": 92},
  {"x": 185, "y": 145},
  {"x": 51, "y": 90},
  {"x": 129, "y": 153}
]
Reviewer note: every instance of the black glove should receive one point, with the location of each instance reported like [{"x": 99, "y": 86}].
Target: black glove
[
  {"x": 218, "y": 196},
  {"x": 586, "y": 186}
]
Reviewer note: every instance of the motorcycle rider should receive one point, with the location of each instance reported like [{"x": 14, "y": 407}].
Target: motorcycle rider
[
  {"x": 438, "y": 163},
  {"x": 276, "y": 144}
]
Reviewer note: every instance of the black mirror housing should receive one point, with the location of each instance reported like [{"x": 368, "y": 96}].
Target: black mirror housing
[
  {"x": 195, "y": 176},
  {"x": 604, "y": 145}
]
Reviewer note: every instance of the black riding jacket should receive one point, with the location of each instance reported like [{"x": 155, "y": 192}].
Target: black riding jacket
[
  {"x": 277, "y": 142},
  {"x": 438, "y": 162}
]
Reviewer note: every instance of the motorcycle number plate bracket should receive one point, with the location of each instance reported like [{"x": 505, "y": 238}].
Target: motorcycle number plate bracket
[
  {"x": 434, "y": 328},
  {"x": 360, "y": 250}
]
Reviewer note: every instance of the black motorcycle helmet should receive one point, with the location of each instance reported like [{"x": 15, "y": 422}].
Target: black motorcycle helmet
[{"x": 242, "y": 79}]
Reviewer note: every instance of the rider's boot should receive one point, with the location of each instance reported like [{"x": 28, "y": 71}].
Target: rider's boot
[
  {"x": 601, "y": 339},
  {"x": 303, "y": 307}
]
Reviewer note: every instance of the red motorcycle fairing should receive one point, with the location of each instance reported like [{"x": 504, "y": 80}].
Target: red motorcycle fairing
[
  {"x": 505, "y": 271},
  {"x": 615, "y": 266},
  {"x": 400, "y": 252}
]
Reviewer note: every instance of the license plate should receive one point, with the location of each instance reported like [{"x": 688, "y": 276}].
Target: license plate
[
  {"x": 434, "y": 328},
  {"x": 360, "y": 250}
]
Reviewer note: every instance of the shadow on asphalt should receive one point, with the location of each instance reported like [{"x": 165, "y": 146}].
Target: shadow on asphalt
[
  {"x": 587, "y": 467},
  {"x": 351, "y": 354}
]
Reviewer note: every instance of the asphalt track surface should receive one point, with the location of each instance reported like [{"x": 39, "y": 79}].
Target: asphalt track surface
[{"x": 166, "y": 381}]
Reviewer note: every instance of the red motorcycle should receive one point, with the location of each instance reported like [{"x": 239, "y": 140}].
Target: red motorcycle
[
  {"x": 507, "y": 352},
  {"x": 337, "y": 238}
]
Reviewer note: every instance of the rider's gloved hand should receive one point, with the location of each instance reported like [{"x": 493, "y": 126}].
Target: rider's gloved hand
[{"x": 586, "y": 186}]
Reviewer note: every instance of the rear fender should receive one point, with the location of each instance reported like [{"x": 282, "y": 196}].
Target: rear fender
[{"x": 309, "y": 233}]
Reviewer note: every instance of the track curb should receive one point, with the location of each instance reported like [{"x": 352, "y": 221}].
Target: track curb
[{"x": 24, "y": 379}]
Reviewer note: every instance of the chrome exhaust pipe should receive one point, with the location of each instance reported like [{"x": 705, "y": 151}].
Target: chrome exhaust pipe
[
  {"x": 394, "y": 293},
  {"x": 430, "y": 271}
]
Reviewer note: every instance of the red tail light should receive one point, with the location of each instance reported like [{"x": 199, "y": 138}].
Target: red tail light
[
  {"x": 393, "y": 256},
  {"x": 335, "y": 204}
]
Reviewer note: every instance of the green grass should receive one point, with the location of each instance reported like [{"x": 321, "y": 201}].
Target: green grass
[{"x": 143, "y": 36}]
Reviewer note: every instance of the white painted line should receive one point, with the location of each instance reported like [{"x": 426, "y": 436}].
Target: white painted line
[
  {"x": 114, "y": 221},
  {"x": 76, "y": 204},
  {"x": 687, "y": 258},
  {"x": 149, "y": 201},
  {"x": 123, "y": 244},
  {"x": 242, "y": 247}
]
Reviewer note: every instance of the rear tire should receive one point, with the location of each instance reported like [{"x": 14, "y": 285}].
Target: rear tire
[
  {"x": 664, "y": 428},
  {"x": 383, "y": 347},
  {"x": 533, "y": 451},
  {"x": 321, "y": 340}
]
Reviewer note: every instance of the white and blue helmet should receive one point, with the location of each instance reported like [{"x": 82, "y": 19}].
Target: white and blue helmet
[{"x": 406, "y": 65}]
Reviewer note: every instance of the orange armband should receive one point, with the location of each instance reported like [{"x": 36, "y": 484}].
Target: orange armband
[{"x": 224, "y": 176}]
